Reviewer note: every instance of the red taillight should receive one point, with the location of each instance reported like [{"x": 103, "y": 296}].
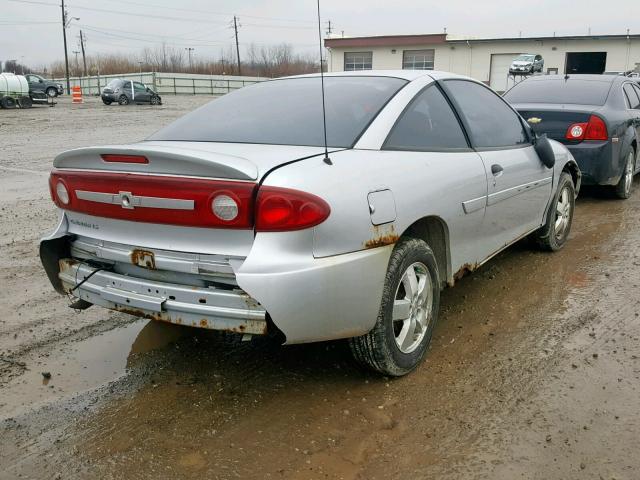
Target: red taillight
[
  {"x": 283, "y": 209},
  {"x": 156, "y": 199},
  {"x": 595, "y": 129},
  {"x": 576, "y": 131},
  {"x": 117, "y": 158}
]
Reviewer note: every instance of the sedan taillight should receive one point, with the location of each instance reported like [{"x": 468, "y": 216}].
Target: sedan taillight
[
  {"x": 594, "y": 129},
  {"x": 282, "y": 209}
]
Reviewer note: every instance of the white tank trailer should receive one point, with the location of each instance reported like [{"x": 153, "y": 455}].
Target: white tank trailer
[{"x": 14, "y": 91}]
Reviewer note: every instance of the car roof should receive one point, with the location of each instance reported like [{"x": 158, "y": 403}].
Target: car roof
[{"x": 404, "y": 74}]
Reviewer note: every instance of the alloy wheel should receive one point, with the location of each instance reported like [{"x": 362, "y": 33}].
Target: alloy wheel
[
  {"x": 628, "y": 174},
  {"x": 412, "y": 307},
  {"x": 563, "y": 213}
]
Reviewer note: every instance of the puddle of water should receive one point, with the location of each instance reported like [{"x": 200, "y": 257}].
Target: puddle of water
[{"x": 79, "y": 366}]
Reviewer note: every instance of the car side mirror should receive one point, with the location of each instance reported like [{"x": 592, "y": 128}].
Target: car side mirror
[
  {"x": 40, "y": 81},
  {"x": 544, "y": 150}
]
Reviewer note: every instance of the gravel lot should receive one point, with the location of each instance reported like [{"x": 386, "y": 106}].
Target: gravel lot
[{"x": 534, "y": 370}]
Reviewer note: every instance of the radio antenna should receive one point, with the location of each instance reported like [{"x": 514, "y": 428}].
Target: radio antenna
[{"x": 326, "y": 158}]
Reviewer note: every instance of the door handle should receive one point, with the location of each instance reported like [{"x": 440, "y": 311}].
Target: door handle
[{"x": 496, "y": 170}]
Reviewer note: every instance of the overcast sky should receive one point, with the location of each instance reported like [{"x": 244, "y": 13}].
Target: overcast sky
[{"x": 205, "y": 24}]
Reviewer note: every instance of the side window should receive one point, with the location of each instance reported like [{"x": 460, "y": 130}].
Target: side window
[
  {"x": 489, "y": 120},
  {"x": 632, "y": 96},
  {"x": 126, "y": 86},
  {"x": 138, "y": 87},
  {"x": 637, "y": 89},
  {"x": 427, "y": 124}
]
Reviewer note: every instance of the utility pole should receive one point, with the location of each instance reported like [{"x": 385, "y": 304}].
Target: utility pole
[
  {"x": 76, "y": 52},
  {"x": 235, "y": 27},
  {"x": 84, "y": 58},
  {"x": 189, "y": 50},
  {"x": 64, "y": 38}
]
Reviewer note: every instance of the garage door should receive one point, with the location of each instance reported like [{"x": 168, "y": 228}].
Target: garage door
[{"x": 500, "y": 69}]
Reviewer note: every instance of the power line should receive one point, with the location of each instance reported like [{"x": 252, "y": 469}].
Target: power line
[{"x": 226, "y": 14}]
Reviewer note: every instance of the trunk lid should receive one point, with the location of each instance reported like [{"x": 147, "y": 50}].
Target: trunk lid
[
  {"x": 166, "y": 203},
  {"x": 554, "y": 120}
]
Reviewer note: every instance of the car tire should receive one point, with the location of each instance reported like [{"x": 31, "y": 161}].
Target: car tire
[
  {"x": 553, "y": 235},
  {"x": 25, "y": 102},
  {"x": 123, "y": 100},
  {"x": 154, "y": 100},
  {"x": 106, "y": 102},
  {"x": 625, "y": 185},
  {"x": 8, "y": 103},
  {"x": 51, "y": 92},
  {"x": 395, "y": 347}
]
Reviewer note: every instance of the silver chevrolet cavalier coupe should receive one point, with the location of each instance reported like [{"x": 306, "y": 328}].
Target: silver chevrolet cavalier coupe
[{"x": 233, "y": 218}]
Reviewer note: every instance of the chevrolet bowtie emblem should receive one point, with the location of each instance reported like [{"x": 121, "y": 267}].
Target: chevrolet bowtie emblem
[{"x": 534, "y": 120}]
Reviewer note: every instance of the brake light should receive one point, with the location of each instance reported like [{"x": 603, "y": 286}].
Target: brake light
[
  {"x": 576, "y": 131},
  {"x": 192, "y": 202},
  {"x": 117, "y": 158},
  {"x": 283, "y": 209},
  {"x": 594, "y": 129}
]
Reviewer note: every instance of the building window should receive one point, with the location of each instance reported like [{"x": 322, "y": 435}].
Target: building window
[
  {"x": 418, "y": 59},
  {"x": 358, "y": 61}
]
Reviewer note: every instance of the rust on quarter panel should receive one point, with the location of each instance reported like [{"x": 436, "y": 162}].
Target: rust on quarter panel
[{"x": 382, "y": 235}]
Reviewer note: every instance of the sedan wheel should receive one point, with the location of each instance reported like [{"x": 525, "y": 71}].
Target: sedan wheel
[
  {"x": 154, "y": 100},
  {"x": 123, "y": 100},
  {"x": 553, "y": 235},
  {"x": 412, "y": 307},
  {"x": 408, "y": 312},
  {"x": 52, "y": 92},
  {"x": 563, "y": 213},
  {"x": 624, "y": 187}
]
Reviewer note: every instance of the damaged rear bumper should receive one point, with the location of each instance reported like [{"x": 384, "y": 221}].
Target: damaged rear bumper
[{"x": 210, "y": 308}]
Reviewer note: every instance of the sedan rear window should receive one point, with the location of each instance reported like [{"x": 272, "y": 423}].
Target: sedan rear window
[
  {"x": 288, "y": 112},
  {"x": 573, "y": 91}
]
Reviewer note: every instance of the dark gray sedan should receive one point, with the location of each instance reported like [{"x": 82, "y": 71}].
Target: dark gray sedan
[
  {"x": 596, "y": 116},
  {"x": 124, "y": 92}
]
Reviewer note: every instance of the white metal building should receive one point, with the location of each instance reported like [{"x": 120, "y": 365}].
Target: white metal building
[{"x": 487, "y": 60}]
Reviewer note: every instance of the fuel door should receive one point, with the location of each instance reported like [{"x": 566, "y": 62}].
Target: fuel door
[{"x": 382, "y": 207}]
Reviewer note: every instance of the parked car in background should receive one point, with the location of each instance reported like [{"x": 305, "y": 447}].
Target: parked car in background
[
  {"x": 39, "y": 85},
  {"x": 526, "y": 63},
  {"x": 125, "y": 92},
  {"x": 597, "y": 117},
  {"x": 232, "y": 218}
]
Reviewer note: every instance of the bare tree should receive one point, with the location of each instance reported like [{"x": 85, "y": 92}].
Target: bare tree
[{"x": 264, "y": 61}]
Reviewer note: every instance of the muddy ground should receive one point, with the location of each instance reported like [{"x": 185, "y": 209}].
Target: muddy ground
[{"x": 534, "y": 370}]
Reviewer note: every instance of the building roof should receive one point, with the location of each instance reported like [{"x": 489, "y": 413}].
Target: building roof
[
  {"x": 384, "y": 40},
  {"x": 442, "y": 38}
]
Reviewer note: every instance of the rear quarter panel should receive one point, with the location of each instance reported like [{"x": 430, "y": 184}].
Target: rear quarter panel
[{"x": 423, "y": 184}]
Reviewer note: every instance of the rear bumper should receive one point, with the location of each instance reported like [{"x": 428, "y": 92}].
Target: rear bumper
[
  {"x": 596, "y": 162},
  {"x": 308, "y": 299},
  {"x": 210, "y": 308}
]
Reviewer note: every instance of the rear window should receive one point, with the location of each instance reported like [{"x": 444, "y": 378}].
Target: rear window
[
  {"x": 558, "y": 90},
  {"x": 288, "y": 112}
]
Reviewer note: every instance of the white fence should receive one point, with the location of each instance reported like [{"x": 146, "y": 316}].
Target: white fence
[{"x": 167, "y": 83}]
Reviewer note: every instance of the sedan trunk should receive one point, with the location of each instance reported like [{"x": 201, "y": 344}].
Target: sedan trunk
[{"x": 554, "y": 120}]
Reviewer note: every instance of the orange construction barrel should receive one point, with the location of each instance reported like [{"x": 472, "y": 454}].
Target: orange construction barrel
[{"x": 76, "y": 94}]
